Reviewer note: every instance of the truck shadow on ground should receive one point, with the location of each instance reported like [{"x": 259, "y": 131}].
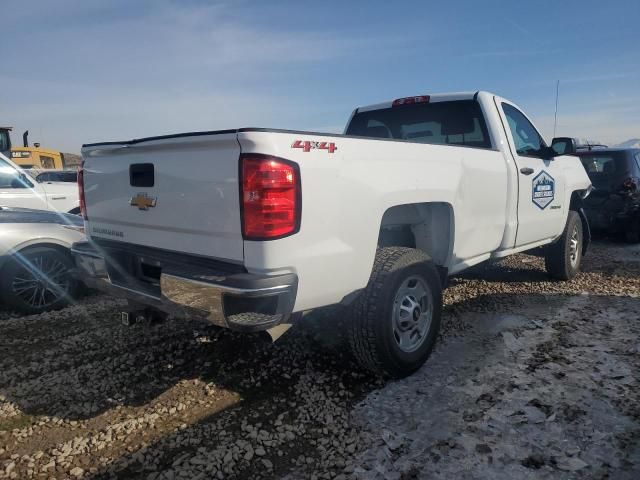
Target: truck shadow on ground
[
  {"x": 526, "y": 268},
  {"x": 80, "y": 362}
]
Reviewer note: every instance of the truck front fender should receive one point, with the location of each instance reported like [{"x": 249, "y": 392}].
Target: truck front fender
[{"x": 577, "y": 204}]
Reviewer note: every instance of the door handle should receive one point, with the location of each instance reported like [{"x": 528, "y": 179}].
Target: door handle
[{"x": 526, "y": 171}]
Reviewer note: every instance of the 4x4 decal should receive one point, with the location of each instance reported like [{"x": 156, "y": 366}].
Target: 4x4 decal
[{"x": 308, "y": 145}]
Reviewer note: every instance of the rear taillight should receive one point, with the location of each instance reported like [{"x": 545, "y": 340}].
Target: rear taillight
[
  {"x": 83, "y": 205},
  {"x": 270, "y": 197},
  {"x": 630, "y": 183}
]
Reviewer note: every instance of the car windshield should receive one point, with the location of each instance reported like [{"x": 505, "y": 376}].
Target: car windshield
[
  {"x": 445, "y": 123},
  {"x": 6, "y": 169},
  {"x": 5, "y": 166}
]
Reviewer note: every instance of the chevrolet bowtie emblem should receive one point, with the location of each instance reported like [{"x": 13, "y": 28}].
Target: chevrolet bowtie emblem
[{"x": 143, "y": 201}]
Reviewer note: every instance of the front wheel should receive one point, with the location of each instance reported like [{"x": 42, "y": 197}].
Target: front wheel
[
  {"x": 562, "y": 258},
  {"x": 395, "y": 321},
  {"x": 38, "y": 279}
]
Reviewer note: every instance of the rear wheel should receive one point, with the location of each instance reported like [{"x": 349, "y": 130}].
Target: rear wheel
[
  {"x": 632, "y": 235},
  {"x": 395, "y": 321},
  {"x": 37, "y": 279},
  {"x": 563, "y": 257}
]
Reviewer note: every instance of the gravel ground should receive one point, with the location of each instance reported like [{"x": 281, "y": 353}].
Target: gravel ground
[{"x": 531, "y": 379}]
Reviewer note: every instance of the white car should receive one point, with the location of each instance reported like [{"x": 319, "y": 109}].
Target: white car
[
  {"x": 19, "y": 189},
  {"x": 36, "y": 267},
  {"x": 251, "y": 227}
]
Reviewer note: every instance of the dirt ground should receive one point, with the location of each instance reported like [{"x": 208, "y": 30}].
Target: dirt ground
[{"x": 531, "y": 379}]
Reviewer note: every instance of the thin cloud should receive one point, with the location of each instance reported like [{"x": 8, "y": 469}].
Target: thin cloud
[
  {"x": 88, "y": 70},
  {"x": 510, "y": 53},
  {"x": 570, "y": 80},
  {"x": 170, "y": 68},
  {"x": 606, "y": 126},
  {"x": 517, "y": 26}
]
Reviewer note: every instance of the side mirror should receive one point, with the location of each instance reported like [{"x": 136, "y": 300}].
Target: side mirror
[{"x": 563, "y": 146}]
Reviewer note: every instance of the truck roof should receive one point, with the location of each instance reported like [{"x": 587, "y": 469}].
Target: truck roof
[
  {"x": 433, "y": 98},
  {"x": 438, "y": 97}
]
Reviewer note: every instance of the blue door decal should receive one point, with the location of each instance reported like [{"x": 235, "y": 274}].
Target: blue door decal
[{"x": 543, "y": 190}]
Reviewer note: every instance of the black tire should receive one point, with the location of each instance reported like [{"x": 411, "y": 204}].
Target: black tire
[
  {"x": 75, "y": 211},
  {"x": 562, "y": 258},
  {"x": 632, "y": 235},
  {"x": 33, "y": 271},
  {"x": 372, "y": 330}
]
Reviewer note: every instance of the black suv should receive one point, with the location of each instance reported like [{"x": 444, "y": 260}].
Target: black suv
[{"x": 614, "y": 204}]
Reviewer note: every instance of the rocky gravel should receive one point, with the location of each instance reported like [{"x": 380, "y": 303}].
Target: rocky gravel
[{"x": 531, "y": 379}]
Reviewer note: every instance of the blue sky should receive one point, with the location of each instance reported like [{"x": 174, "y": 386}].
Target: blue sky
[{"x": 78, "y": 71}]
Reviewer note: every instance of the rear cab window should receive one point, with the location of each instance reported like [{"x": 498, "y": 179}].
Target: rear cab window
[{"x": 458, "y": 122}]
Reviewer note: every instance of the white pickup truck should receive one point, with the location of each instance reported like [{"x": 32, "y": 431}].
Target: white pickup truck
[{"x": 252, "y": 227}]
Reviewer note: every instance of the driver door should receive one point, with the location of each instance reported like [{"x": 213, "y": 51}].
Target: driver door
[{"x": 541, "y": 182}]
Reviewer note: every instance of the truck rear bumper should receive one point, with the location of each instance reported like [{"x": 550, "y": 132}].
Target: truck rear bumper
[{"x": 239, "y": 301}]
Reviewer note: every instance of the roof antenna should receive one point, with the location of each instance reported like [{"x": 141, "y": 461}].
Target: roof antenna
[{"x": 555, "y": 119}]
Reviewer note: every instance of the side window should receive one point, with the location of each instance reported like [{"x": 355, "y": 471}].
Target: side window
[
  {"x": 46, "y": 162},
  {"x": 638, "y": 159},
  {"x": 525, "y": 137},
  {"x": 4, "y": 141}
]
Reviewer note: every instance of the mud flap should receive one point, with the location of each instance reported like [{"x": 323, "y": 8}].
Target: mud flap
[{"x": 276, "y": 332}]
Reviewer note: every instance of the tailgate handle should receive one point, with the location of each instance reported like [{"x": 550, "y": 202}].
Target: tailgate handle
[{"x": 141, "y": 175}]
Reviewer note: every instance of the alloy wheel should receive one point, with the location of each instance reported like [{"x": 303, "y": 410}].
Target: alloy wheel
[
  {"x": 41, "y": 281},
  {"x": 412, "y": 313}
]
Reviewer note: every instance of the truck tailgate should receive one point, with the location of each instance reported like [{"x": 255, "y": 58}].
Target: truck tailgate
[{"x": 177, "y": 193}]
